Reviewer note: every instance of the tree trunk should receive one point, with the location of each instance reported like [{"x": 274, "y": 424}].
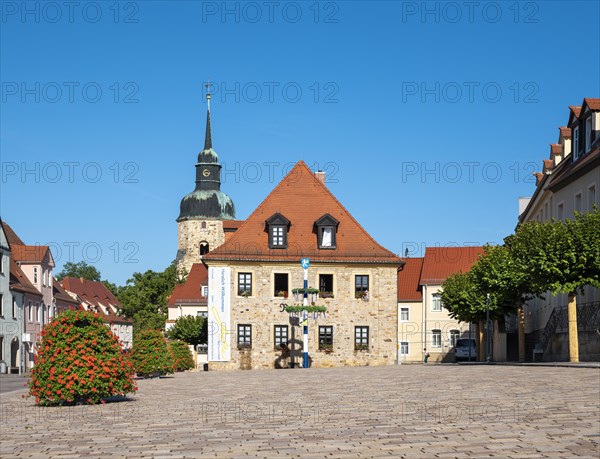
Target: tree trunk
[
  {"x": 521, "y": 328},
  {"x": 481, "y": 341},
  {"x": 573, "y": 338}
]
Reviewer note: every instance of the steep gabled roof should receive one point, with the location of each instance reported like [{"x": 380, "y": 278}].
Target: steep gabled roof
[
  {"x": 303, "y": 199},
  {"x": 441, "y": 262},
  {"x": 20, "y": 282},
  {"x": 31, "y": 254},
  {"x": 409, "y": 288},
  {"x": 96, "y": 295},
  {"x": 11, "y": 236},
  {"x": 565, "y": 132},
  {"x": 60, "y": 294},
  {"x": 592, "y": 103},
  {"x": 191, "y": 290}
]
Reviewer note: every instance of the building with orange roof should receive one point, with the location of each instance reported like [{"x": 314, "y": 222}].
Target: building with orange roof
[
  {"x": 568, "y": 184},
  {"x": 96, "y": 297},
  {"x": 423, "y": 323}
]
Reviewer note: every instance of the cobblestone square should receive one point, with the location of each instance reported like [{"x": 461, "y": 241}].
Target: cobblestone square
[{"x": 396, "y": 411}]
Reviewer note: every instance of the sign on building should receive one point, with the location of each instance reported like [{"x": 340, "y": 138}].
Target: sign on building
[{"x": 219, "y": 314}]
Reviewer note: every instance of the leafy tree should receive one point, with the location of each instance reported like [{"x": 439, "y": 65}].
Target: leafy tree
[
  {"x": 182, "y": 356},
  {"x": 79, "y": 361},
  {"x": 462, "y": 298},
  {"x": 151, "y": 354},
  {"x": 144, "y": 297},
  {"x": 81, "y": 269},
  {"x": 191, "y": 329}
]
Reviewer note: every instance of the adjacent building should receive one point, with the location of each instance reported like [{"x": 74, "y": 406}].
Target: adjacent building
[
  {"x": 96, "y": 297},
  {"x": 568, "y": 183},
  {"x": 423, "y": 322}
]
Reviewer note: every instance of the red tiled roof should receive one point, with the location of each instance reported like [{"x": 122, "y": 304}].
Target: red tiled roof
[
  {"x": 29, "y": 253},
  {"x": 565, "y": 132},
  {"x": 95, "y": 294},
  {"x": 11, "y": 235},
  {"x": 60, "y": 294},
  {"x": 19, "y": 281},
  {"x": 441, "y": 262},
  {"x": 232, "y": 225},
  {"x": 548, "y": 165},
  {"x": 191, "y": 290},
  {"x": 570, "y": 170},
  {"x": 303, "y": 199},
  {"x": 592, "y": 103},
  {"x": 575, "y": 110},
  {"x": 556, "y": 149},
  {"x": 409, "y": 280}
]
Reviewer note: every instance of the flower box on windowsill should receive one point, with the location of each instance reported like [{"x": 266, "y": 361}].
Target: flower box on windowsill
[
  {"x": 361, "y": 347},
  {"x": 244, "y": 347},
  {"x": 326, "y": 348},
  {"x": 281, "y": 294},
  {"x": 326, "y": 294},
  {"x": 362, "y": 296}
]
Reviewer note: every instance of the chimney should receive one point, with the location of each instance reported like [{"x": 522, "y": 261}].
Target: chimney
[{"x": 320, "y": 175}]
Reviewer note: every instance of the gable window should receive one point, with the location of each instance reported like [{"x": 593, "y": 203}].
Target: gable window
[
  {"x": 244, "y": 284},
  {"x": 588, "y": 134},
  {"x": 576, "y": 143},
  {"x": 325, "y": 338},
  {"x": 326, "y": 231},
  {"x": 404, "y": 315},
  {"x": 204, "y": 291},
  {"x": 436, "y": 302},
  {"x": 436, "y": 338},
  {"x": 361, "y": 338},
  {"x": 281, "y": 336},
  {"x": 244, "y": 335},
  {"x": 35, "y": 275},
  {"x": 278, "y": 227},
  {"x": 280, "y": 285},
  {"x": 361, "y": 286},
  {"x": 403, "y": 347},
  {"x": 326, "y": 285}
]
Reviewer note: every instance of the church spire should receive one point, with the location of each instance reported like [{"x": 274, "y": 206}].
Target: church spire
[{"x": 208, "y": 137}]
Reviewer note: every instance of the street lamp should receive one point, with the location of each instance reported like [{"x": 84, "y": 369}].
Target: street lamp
[{"x": 487, "y": 330}]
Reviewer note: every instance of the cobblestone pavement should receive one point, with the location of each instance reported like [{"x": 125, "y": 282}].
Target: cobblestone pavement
[{"x": 401, "y": 411}]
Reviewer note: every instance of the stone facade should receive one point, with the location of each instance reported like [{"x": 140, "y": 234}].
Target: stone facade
[
  {"x": 193, "y": 233},
  {"x": 262, "y": 311}
]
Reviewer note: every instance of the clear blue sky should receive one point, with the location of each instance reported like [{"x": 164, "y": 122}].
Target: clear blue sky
[{"x": 388, "y": 91}]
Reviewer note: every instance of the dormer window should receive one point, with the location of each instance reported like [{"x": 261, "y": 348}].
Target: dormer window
[
  {"x": 576, "y": 143},
  {"x": 588, "y": 134},
  {"x": 326, "y": 231},
  {"x": 278, "y": 227}
]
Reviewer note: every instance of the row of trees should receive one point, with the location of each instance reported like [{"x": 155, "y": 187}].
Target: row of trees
[{"x": 555, "y": 257}]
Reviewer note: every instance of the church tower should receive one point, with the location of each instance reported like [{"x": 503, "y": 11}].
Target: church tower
[{"x": 200, "y": 221}]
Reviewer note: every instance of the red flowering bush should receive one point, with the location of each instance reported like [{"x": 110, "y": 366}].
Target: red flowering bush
[
  {"x": 151, "y": 355},
  {"x": 80, "y": 360},
  {"x": 182, "y": 356}
]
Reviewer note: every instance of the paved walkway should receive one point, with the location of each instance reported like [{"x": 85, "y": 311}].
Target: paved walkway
[{"x": 401, "y": 411}]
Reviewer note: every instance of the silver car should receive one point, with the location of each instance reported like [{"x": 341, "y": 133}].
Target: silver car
[{"x": 465, "y": 349}]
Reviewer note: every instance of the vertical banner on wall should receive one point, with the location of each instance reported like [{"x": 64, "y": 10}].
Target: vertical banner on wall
[{"x": 219, "y": 314}]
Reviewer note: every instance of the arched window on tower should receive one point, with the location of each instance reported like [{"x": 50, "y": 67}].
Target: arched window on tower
[
  {"x": 203, "y": 248},
  {"x": 203, "y": 225}
]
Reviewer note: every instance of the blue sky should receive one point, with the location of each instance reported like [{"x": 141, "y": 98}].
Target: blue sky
[{"x": 429, "y": 118}]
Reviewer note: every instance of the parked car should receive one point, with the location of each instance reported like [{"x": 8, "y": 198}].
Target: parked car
[{"x": 465, "y": 348}]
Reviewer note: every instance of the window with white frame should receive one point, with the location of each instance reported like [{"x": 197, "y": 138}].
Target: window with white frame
[
  {"x": 454, "y": 335},
  {"x": 38, "y": 313},
  {"x": 404, "y": 315},
  {"x": 280, "y": 334},
  {"x": 14, "y": 308},
  {"x": 244, "y": 284},
  {"x": 576, "y": 143},
  {"x": 436, "y": 302},
  {"x": 361, "y": 338},
  {"x": 30, "y": 312},
  {"x": 204, "y": 291},
  {"x": 1, "y": 262},
  {"x": 436, "y": 338},
  {"x": 588, "y": 134},
  {"x": 244, "y": 336},
  {"x": 591, "y": 197},
  {"x": 403, "y": 347},
  {"x": 1, "y": 305}
]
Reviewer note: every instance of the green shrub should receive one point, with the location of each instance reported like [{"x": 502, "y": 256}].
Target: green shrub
[
  {"x": 182, "y": 356},
  {"x": 79, "y": 360},
  {"x": 150, "y": 354}
]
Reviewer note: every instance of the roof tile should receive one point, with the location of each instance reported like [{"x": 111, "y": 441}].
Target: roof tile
[
  {"x": 409, "y": 280},
  {"x": 191, "y": 290},
  {"x": 441, "y": 262}
]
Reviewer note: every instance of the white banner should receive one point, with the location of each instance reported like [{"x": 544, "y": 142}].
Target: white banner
[{"x": 219, "y": 314}]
